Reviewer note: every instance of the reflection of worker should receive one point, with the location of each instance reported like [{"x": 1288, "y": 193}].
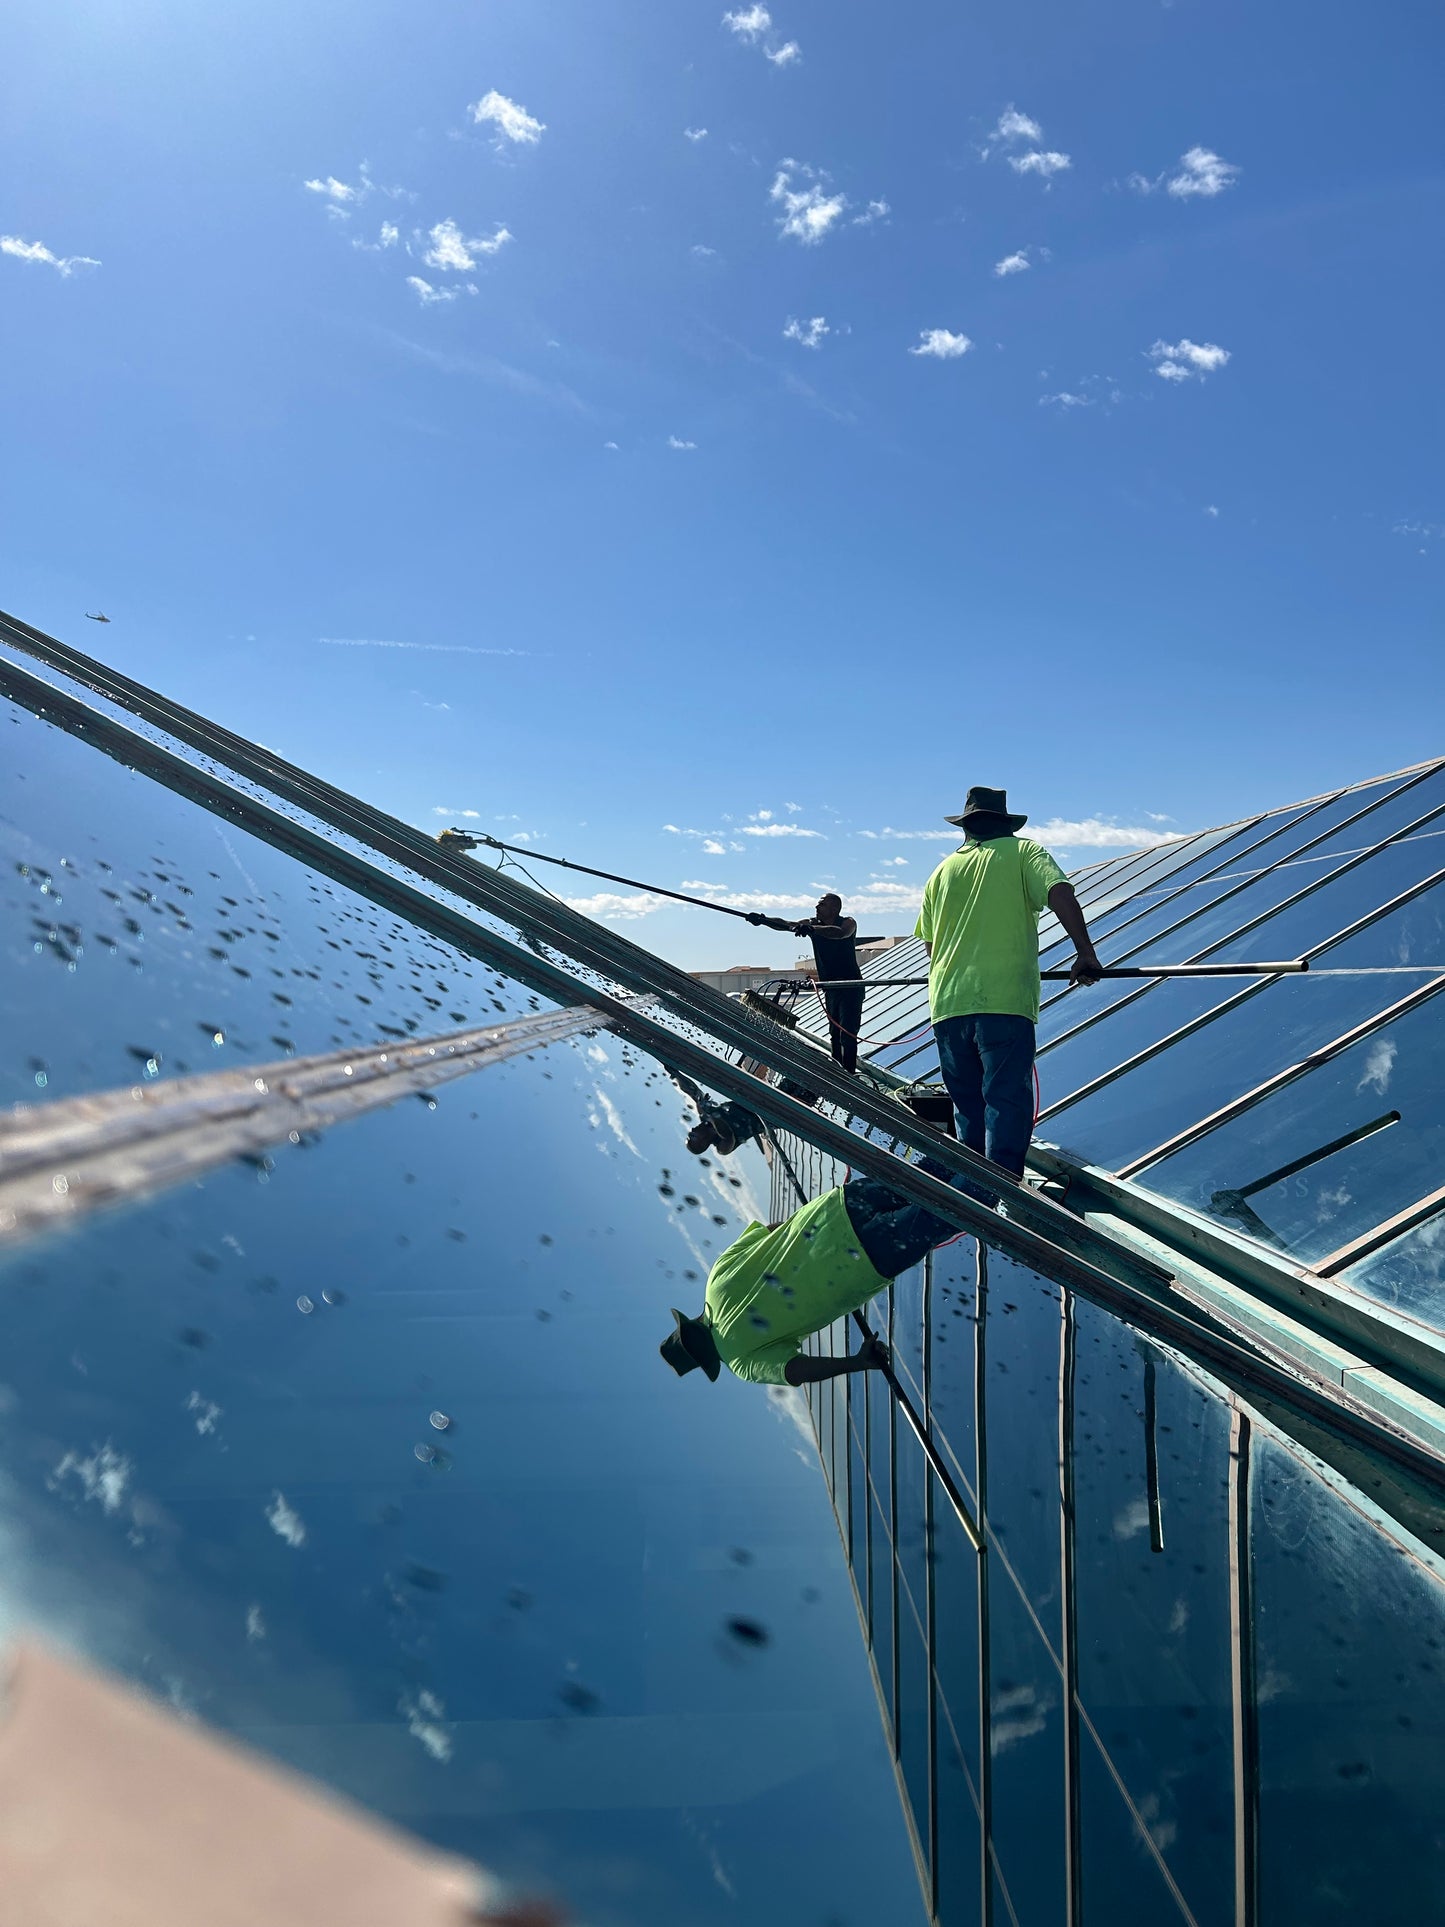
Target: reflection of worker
[
  {"x": 723, "y": 1126},
  {"x": 980, "y": 925},
  {"x": 776, "y": 1284}
]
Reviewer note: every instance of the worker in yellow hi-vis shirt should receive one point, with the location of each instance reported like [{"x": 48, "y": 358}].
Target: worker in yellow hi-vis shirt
[{"x": 980, "y": 925}]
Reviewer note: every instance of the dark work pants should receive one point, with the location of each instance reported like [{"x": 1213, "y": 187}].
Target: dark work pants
[
  {"x": 845, "y": 1020},
  {"x": 895, "y": 1235},
  {"x": 987, "y": 1065}
]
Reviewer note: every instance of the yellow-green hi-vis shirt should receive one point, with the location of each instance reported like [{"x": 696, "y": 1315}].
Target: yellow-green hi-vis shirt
[
  {"x": 981, "y": 914},
  {"x": 769, "y": 1289}
]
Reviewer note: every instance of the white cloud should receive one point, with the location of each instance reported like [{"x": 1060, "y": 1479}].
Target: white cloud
[
  {"x": 941, "y": 344},
  {"x": 674, "y": 441},
  {"x": 794, "y": 809},
  {"x": 1040, "y": 162},
  {"x": 749, "y": 23},
  {"x": 875, "y": 211},
  {"x": 105, "y": 1476},
  {"x": 338, "y": 191},
  {"x": 778, "y": 829},
  {"x": 1013, "y": 263},
  {"x": 424, "y": 1716},
  {"x": 1182, "y": 360},
  {"x": 711, "y": 847},
  {"x": 1014, "y": 126},
  {"x": 285, "y": 1521},
  {"x": 607, "y": 903},
  {"x": 1212, "y": 511},
  {"x": 761, "y": 816},
  {"x": 451, "y": 249},
  {"x": 1058, "y": 833},
  {"x": 809, "y": 211},
  {"x": 64, "y": 264},
  {"x": 785, "y": 55},
  {"x": 388, "y": 237},
  {"x": 1065, "y": 400},
  {"x": 699, "y": 252},
  {"x": 1202, "y": 173},
  {"x": 611, "y": 445},
  {"x": 694, "y": 133},
  {"x": 807, "y": 334},
  {"x": 427, "y": 294},
  {"x": 513, "y": 123}
]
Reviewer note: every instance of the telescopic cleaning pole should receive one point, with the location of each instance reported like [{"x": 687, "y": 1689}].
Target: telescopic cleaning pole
[{"x": 1116, "y": 970}]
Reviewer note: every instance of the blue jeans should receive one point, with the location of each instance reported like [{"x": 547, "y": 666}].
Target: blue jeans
[
  {"x": 895, "y": 1235},
  {"x": 987, "y": 1066}
]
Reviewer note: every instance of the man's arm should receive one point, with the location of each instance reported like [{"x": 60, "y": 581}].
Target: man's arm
[
  {"x": 1065, "y": 906},
  {"x": 844, "y": 927},
  {"x": 871, "y": 1356}
]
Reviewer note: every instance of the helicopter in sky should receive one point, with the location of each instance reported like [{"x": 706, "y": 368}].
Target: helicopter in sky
[{"x": 96, "y": 617}]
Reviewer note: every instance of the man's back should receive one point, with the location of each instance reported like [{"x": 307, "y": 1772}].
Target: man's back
[{"x": 980, "y": 914}]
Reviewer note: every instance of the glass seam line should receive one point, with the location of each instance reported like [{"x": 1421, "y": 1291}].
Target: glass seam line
[
  {"x": 582, "y": 941},
  {"x": 1233, "y": 1002},
  {"x": 1253, "y": 923},
  {"x": 1383, "y": 1233}
]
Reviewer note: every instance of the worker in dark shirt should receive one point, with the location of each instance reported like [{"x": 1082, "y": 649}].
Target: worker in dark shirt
[{"x": 835, "y": 951}]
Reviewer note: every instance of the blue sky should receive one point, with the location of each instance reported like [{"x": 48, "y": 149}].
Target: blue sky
[{"x": 419, "y": 395}]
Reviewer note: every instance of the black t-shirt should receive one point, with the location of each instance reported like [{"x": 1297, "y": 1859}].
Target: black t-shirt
[{"x": 835, "y": 956}]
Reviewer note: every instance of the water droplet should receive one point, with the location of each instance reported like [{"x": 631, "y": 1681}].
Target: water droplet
[
  {"x": 439, "y": 1421},
  {"x": 60, "y": 1184},
  {"x": 305, "y": 1304},
  {"x": 426, "y": 1453}
]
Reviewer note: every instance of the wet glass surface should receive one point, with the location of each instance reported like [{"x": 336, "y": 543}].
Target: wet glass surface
[
  {"x": 1407, "y": 1274},
  {"x": 364, "y": 1452}
]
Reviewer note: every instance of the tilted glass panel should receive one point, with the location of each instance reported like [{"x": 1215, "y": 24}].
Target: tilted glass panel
[
  {"x": 1385, "y": 1094},
  {"x": 1349, "y": 1656},
  {"x": 1210, "y": 926},
  {"x": 364, "y": 1452},
  {"x": 957, "y": 1573},
  {"x": 1407, "y": 1274},
  {"x": 951, "y": 1359},
  {"x": 1264, "y": 1033}
]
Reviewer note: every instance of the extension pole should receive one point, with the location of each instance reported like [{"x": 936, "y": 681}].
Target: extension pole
[{"x": 1118, "y": 970}]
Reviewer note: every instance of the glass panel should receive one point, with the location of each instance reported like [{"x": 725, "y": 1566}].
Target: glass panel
[
  {"x": 1151, "y": 1498},
  {"x": 1273, "y": 1172},
  {"x": 956, "y": 1573},
  {"x": 1027, "y": 1737},
  {"x": 1407, "y": 1274},
  {"x": 1022, "y": 1339},
  {"x": 951, "y": 1365},
  {"x": 883, "y": 1583},
  {"x": 914, "y": 1523},
  {"x": 1267, "y": 1031},
  {"x": 1350, "y": 1664},
  {"x": 915, "y": 1711},
  {"x": 906, "y": 1331}
]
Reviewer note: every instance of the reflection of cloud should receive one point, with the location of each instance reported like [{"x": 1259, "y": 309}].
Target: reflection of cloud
[
  {"x": 424, "y": 1714},
  {"x": 1132, "y": 1520},
  {"x": 790, "y": 1404},
  {"x": 1018, "y": 1714},
  {"x": 205, "y": 1412},
  {"x": 1378, "y": 1065},
  {"x": 614, "y": 1120},
  {"x": 104, "y": 1476},
  {"x": 255, "y": 1624},
  {"x": 285, "y": 1521}
]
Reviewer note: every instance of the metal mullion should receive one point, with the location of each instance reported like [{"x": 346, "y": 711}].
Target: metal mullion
[
  {"x": 1382, "y": 1234},
  {"x": 1230, "y": 1003},
  {"x": 1073, "y": 1893},
  {"x": 1243, "y": 929},
  {"x": 985, "y": 1686},
  {"x": 1312, "y": 1062},
  {"x": 1243, "y": 1685}
]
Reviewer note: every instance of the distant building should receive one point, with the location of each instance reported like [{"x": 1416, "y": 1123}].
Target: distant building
[{"x": 746, "y": 977}]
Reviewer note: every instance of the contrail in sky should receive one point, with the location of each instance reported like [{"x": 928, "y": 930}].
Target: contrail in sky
[{"x": 446, "y": 648}]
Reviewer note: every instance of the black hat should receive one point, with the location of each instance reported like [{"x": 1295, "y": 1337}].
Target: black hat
[
  {"x": 689, "y": 1346},
  {"x": 982, "y": 802}
]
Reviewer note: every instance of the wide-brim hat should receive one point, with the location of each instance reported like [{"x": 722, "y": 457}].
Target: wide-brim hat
[
  {"x": 690, "y": 1347},
  {"x": 983, "y": 802}
]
